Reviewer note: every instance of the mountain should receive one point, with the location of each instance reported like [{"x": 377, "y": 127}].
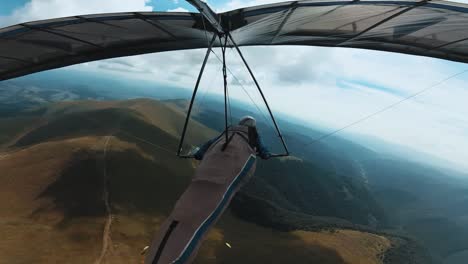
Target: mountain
[
  {"x": 72, "y": 169},
  {"x": 53, "y": 181},
  {"x": 71, "y": 151},
  {"x": 341, "y": 183},
  {"x": 423, "y": 202}
]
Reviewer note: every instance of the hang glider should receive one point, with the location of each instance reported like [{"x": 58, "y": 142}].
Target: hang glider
[{"x": 428, "y": 28}]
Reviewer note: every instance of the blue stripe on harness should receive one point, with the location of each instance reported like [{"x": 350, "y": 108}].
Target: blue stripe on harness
[{"x": 204, "y": 227}]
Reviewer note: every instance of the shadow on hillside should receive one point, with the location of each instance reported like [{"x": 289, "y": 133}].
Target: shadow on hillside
[
  {"x": 299, "y": 254},
  {"x": 140, "y": 185},
  {"x": 251, "y": 243},
  {"x": 78, "y": 190},
  {"x": 151, "y": 187},
  {"x": 137, "y": 184}
]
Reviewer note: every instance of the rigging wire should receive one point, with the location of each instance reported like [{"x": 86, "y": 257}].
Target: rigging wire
[
  {"x": 229, "y": 106},
  {"x": 384, "y": 109},
  {"x": 246, "y": 92},
  {"x": 233, "y": 75},
  {"x": 120, "y": 130},
  {"x": 223, "y": 62},
  {"x": 267, "y": 121},
  {"x": 145, "y": 141},
  {"x": 194, "y": 93},
  {"x": 226, "y": 90},
  {"x": 223, "y": 49},
  {"x": 204, "y": 27},
  {"x": 229, "y": 109},
  {"x": 337, "y": 130},
  {"x": 208, "y": 44},
  {"x": 206, "y": 92}
]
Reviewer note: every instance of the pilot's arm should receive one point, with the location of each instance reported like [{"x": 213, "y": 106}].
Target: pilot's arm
[
  {"x": 204, "y": 148},
  {"x": 263, "y": 151}
]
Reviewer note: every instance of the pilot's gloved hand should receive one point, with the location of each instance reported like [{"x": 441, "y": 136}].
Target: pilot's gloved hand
[
  {"x": 196, "y": 153},
  {"x": 265, "y": 155}
]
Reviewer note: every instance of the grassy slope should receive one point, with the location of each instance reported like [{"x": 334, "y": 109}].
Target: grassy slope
[
  {"x": 425, "y": 203},
  {"x": 52, "y": 210},
  {"x": 32, "y": 223},
  {"x": 254, "y": 244}
]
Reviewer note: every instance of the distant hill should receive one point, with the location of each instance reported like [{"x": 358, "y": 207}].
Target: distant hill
[
  {"x": 59, "y": 159},
  {"x": 54, "y": 129},
  {"x": 299, "y": 186},
  {"x": 426, "y": 203}
]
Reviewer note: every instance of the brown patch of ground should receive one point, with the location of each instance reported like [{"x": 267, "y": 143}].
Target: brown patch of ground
[
  {"x": 354, "y": 247},
  {"x": 52, "y": 209}
]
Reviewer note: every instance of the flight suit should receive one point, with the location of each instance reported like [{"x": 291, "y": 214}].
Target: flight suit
[{"x": 219, "y": 176}]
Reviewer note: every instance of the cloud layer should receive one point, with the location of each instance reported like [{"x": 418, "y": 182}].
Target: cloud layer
[
  {"x": 45, "y": 9},
  {"x": 333, "y": 88},
  {"x": 330, "y": 87}
]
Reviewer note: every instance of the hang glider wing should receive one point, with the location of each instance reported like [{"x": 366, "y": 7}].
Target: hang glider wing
[
  {"x": 429, "y": 28},
  {"x": 48, "y": 44}
]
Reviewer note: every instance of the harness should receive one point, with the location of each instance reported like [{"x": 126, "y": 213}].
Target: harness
[{"x": 241, "y": 133}]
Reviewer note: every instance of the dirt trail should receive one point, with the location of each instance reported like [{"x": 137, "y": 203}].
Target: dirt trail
[{"x": 106, "y": 235}]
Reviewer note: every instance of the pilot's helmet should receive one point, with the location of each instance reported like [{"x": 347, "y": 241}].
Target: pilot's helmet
[{"x": 248, "y": 121}]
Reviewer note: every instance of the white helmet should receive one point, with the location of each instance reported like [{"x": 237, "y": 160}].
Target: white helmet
[{"x": 248, "y": 121}]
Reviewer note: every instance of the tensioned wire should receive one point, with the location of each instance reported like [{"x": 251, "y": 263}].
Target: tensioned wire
[
  {"x": 235, "y": 77},
  {"x": 385, "y": 108},
  {"x": 246, "y": 92},
  {"x": 357, "y": 121}
]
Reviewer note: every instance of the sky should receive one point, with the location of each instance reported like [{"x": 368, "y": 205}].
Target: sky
[{"x": 330, "y": 87}]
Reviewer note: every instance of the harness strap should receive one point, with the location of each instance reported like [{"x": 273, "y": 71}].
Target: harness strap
[{"x": 164, "y": 241}]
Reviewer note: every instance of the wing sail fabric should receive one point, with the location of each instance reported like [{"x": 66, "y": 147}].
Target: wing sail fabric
[
  {"x": 428, "y": 28},
  {"x": 42, "y": 45}
]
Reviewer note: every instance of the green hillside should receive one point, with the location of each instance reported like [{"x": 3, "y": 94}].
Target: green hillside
[
  {"x": 300, "y": 187},
  {"x": 422, "y": 202},
  {"x": 57, "y": 169}
]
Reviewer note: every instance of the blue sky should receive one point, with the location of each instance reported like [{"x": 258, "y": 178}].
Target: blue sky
[
  {"x": 6, "y": 7},
  {"x": 164, "y": 5},
  {"x": 325, "y": 86}
]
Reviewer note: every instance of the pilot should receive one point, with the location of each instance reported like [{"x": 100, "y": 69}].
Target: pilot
[
  {"x": 251, "y": 135},
  {"x": 224, "y": 168}
]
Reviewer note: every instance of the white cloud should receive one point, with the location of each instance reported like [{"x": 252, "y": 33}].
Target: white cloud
[
  {"x": 235, "y": 4},
  {"x": 178, "y": 9},
  {"x": 46, "y": 9},
  {"x": 331, "y": 87}
]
